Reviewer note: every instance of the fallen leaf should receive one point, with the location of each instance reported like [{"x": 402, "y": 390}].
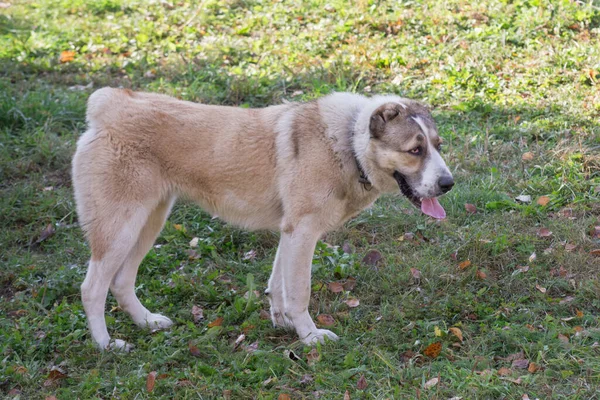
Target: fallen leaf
[
  {"x": 579, "y": 314},
  {"x": 543, "y": 200},
  {"x": 563, "y": 338},
  {"x": 570, "y": 247},
  {"x": 524, "y": 397},
  {"x": 51, "y": 398},
  {"x": 532, "y": 257},
  {"x": 178, "y": 227},
  {"x": 150, "y": 381},
  {"x": 194, "y": 242},
  {"x": 313, "y": 356},
  {"x": 362, "y": 383},
  {"x": 194, "y": 350},
  {"x": 227, "y": 394},
  {"x": 433, "y": 350},
  {"x": 431, "y": 383},
  {"x": 372, "y": 258},
  {"x": 567, "y": 299},
  {"x": 504, "y": 371},
  {"x": 252, "y": 347},
  {"x": 524, "y": 198},
  {"x": 335, "y": 287},
  {"x": 562, "y": 271},
  {"x": 350, "y": 283},
  {"x": 264, "y": 314},
  {"x": 544, "y": 232},
  {"x": 523, "y": 268},
  {"x": 520, "y": 363},
  {"x": 541, "y": 289},
  {"x": 325, "y": 320},
  {"x": 216, "y": 322},
  {"x": 352, "y": 303},
  {"x": 347, "y": 248},
  {"x": 464, "y": 264},
  {"x": 193, "y": 254},
  {"x": 470, "y": 208},
  {"x": 416, "y": 274},
  {"x": 66, "y": 56},
  {"x": 530, "y": 327},
  {"x": 437, "y": 331},
  {"x": 306, "y": 379},
  {"x": 46, "y": 233},
  {"x": 595, "y": 252},
  {"x": 56, "y": 374},
  {"x": 347, "y": 395},
  {"x": 595, "y": 232},
  {"x": 250, "y": 255},
  {"x": 517, "y": 381},
  {"x": 284, "y": 396},
  {"x": 197, "y": 314},
  {"x": 533, "y": 368},
  {"x": 527, "y": 156},
  {"x": 457, "y": 332},
  {"x": 480, "y": 274},
  {"x": 238, "y": 341}
]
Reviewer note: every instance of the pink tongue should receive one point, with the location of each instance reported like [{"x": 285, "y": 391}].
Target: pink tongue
[{"x": 433, "y": 208}]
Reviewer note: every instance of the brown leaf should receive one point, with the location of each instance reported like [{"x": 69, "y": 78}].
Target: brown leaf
[
  {"x": 563, "y": 338},
  {"x": 239, "y": 341},
  {"x": 227, "y": 394},
  {"x": 20, "y": 370},
  {"x": 579, "y": 314},
  {"x": 527, "y": 156},
  {"x": 350, "y": 283},
  {"x": 470, "y": 208},
  {"x": 562, "y": 271},
  {"x": 372, "y": 258},
  {"x": 416, "y": 274},
  {"x": 192, "y": 254},
  {"x": 541, "y": 289},
  {"x": 595, "y": 232},
  {"x": 520, "y": 363},
  {"x": 457, "y": 332},
  {"x": 194, "y": 350},
  {"x": 335, "y": 287},
  {"x": 431, "y": 383},
  {"x": 362, "y": 383},
  {"x": 480, "y": 274},
  {"x": 150, "y": 381},
  {"x": 347, "y": 248},
  {"x": 197, "y": 313},
  {"x": 347, "y": 395},
  {"x": 51, "y": 398},
  {"x": 570, "y": 247},
  {"x": 567, "y": 299},
  {"x": 465, "y": 264},
  {"x": 504, "y": 371},
  {"x": 544, "y": 232},
  {"x": 595, "y": 252},
  {"x": 216, "y": 322},
  {"x": 46, "y": 233},
  {"x": 264, "y": 314},
  {"x": 325, "y": 320},
  {"x": 252, "y": 347},
  {"x": 66, "y": 56},
  {"x": 543, "y": 200},
  {"x": 250, "y": 255},
  {"x": 313, "y": 356},
  {"x": 433, "y": 350},
  {"x": 533, "y": 368},
  {"x": 178, "y": 227},
  {"x": 284, "y": 396},
  {"x": 352, "y": 303}
]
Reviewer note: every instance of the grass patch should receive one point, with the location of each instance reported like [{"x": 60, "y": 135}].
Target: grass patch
[{"x": 514, "y": 88}]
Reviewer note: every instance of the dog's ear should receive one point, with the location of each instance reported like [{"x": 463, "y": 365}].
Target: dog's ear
[{"x": 383, "y": 115}]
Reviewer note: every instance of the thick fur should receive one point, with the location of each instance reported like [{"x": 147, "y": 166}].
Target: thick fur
[{"x": 291, "y": 167}]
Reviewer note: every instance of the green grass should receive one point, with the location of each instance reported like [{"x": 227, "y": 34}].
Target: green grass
[{"x": 504, "y": 78}]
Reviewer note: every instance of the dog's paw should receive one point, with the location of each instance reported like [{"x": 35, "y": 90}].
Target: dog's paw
[
  {"x": 119, "y": 345},
  {"x": 156, "y": 322},
  {"x": 319, "y": 336},
  {"x": 280, "y": 320}
]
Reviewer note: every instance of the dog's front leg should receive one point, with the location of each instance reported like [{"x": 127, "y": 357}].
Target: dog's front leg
[{"x": 295, "y": 255}]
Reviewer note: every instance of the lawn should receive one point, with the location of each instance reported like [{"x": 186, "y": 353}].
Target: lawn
[{"x": 501, "y": 300}]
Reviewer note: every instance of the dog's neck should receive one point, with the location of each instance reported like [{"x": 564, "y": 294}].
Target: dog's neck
[{"x": 363, "y": 179}]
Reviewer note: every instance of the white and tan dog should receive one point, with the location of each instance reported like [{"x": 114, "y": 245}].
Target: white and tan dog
[{"x": 300, "y": 168}]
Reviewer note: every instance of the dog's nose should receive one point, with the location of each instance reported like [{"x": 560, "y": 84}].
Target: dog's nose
[{"x": 446, "y": 182}]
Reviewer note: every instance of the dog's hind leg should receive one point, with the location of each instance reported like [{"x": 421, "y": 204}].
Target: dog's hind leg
[
  {"x": 123, "y": 283},
  {"x": 112, "y": 239}
]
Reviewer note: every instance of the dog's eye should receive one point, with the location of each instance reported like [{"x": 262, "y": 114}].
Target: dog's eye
[{"x": 416, "y": 151}]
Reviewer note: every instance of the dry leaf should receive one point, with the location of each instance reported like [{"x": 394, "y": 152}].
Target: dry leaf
[
  {"x": 480, "y": 274},
  {"x": 194, "y": 242},
  {"x": 563, "y": 338},
  {"x": 541, "y": 289},
  {"x": 532, "y": 257},
  {"x": 252, "y": 347},
  {"x": 457, "y": 332},
  {"x": 216, "y": 322},
  {"x": 579, "y": 314},
  {"x": 464, "y": 264},
  {"x": 433, "y": 350},
  {"x": 372, "y": 258},
  {"x": 570, "y": 247},
  {"x": 349, "y": 284},
  {"x": 66, "y": 56},
  {"x": 264, "y": 314},
  {"x": 284, "y": 396},
  {"x": 347, "y": 248},
  {"x": 46, "y": 233},
  {"x": 352, "y": 303},
  {"x": 239, "y": 341},
  {"x": 504, "y": 371},
  {"x": 362, "y": 383},
  {"x": 416, "y": 274},
  {"x": 525, "y": 397},
  {"x": 527, "y": 156},
  {"x": 470, "y": 208},
  {"x": 150, "y": 381},
  {"x": 437, "y": 331},
  {"x": 194, "y": 350},
  {"x": 313, "y": 356},
  {"x": 197, "y": 313},
  {"x": 567, "y": 299},
  {"x": 595, "y": 231},
  {"x": 250, "y": 255},
  {"x": 431, "y": 383},
  {"x": 335, "y": 287},
  {"x": 520, "y": 363},
  {"x": 326, "y": 320},
  {"x": 178, "y": 227},
  {"x": 595, "y": 252},
  {"x": 544, "y": 232},
  {"x": 524, "y": 198},
  {"x": 533, "y": 368},
  {"x": 543, "y": 200},
  {"x": 347, "y": 395}
]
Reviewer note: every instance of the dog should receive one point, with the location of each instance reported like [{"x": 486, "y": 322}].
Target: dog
[{"x": 300, "y": 168}]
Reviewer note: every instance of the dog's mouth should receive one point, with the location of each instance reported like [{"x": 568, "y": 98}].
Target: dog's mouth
[{"x": 429, "y": 206}]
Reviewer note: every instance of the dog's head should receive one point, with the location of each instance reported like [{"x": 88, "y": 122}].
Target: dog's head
[{"x": 405, "y": 148}]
